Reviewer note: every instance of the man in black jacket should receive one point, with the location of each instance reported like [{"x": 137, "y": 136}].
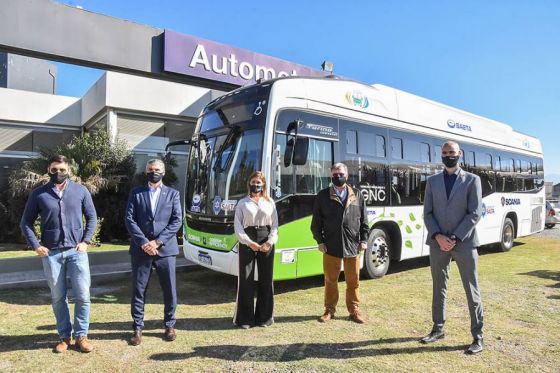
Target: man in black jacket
[{"x": 340, "y": 228}]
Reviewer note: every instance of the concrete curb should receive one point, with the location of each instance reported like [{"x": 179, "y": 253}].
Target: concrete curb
[{"x": 17, "y": 273}]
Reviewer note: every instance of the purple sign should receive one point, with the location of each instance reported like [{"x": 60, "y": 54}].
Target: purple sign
[{"x": 189, "y": 55}]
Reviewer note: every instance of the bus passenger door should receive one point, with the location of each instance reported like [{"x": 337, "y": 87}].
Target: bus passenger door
[{"x": 294, "y": 189}]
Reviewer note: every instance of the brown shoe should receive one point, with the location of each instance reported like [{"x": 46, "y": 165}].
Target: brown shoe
[
  {"x": 357, "y": 317},
  {"x": 83, "y": 344},
  {"x": 170, "y": 334},
  {"x": 328, "y": 315},
  {"x": 62, "y": 345},
  {"x": 136, "y": 338}
]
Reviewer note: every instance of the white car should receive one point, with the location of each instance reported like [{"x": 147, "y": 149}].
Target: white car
[{"x": 552, "y": 215}]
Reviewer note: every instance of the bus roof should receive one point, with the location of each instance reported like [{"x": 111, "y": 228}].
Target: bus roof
[{"x": 422, "y": 114}]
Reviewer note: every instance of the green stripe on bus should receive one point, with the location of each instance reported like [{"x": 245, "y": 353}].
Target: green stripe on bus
[{"x": 212, "y": 241}]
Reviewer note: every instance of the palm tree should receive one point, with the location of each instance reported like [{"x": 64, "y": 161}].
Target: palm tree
[{"x": 96, "y": 162}]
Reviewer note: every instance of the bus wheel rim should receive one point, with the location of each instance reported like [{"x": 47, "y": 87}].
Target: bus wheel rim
[
  {"x": 508, "y": 236},
  {"x": 379, "y": 251}
]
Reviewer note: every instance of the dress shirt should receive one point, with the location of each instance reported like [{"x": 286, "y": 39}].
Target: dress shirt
[
  {"x": 449, "y": 180},
  {"x": 249, "y": 213},
  {"x": 60, "y": 192},
  {"x": 154, "y": 196},
  {"x": 342, "y": 195}
]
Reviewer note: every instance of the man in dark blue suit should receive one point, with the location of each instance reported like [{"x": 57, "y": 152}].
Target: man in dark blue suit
[{"x": 153, "y": 217}]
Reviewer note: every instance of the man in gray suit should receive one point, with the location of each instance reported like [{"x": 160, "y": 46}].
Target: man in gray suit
[{"x": 452, "y": 207}]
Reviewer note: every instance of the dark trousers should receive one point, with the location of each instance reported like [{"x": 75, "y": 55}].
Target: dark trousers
[
  {"x": 141, "y": 270},
  {"x": 246, "y": 313}
]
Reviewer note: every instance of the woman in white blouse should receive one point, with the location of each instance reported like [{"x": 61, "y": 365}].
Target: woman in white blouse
[{"x": 256, "y": 227}]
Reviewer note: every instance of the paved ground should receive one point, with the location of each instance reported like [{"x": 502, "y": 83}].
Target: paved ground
[{"x": 551, "y": 233}]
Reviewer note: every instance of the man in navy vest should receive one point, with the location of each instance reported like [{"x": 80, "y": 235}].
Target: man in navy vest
[
  {"x": 61, "y": 203},
  {"x": 153, "y": 217}
]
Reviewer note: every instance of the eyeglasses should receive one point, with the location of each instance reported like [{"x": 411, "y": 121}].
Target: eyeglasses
[
  {"x": 61, "y": 170},
  {"x": 337, "y": 175}
]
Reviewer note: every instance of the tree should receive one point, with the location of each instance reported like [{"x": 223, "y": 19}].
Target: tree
[{"x": 105, "y": 168}]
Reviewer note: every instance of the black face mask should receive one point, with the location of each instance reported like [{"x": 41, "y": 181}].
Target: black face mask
[
  {"x": 450, "y": 161},
  {"x": 58, "y": 178},
  {"x": 255, "y": 188},
  {"x": 338, "y": 180},
  {"x": 154, "y": 177}
]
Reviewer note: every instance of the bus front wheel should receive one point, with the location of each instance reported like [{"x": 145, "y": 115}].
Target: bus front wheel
[
  {"x": 508, "y": 234},
  {"x": 377, "y": 255}
]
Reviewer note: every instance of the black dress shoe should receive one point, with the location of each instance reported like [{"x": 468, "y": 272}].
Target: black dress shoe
[
  {"x": 476, "y": 347},
  {"x": 136, "y": 338},
  {"x": 170, "y": 334},
  {"x": 266, "y": 324},
  {"x": 432, "y": 337}
]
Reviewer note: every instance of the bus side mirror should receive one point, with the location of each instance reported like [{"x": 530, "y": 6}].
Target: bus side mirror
[
  {"x": 167, "y": 156},
  {"x": 300, "y": 151},
  {"x": 289, "y": 152},
  {"x": 294, "y": 153}
]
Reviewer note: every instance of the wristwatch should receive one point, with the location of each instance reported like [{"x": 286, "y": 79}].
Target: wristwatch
[{"x": 159, "y": 242}]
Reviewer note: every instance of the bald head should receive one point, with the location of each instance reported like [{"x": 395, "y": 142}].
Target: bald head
[{"x": 451, "y": 145}]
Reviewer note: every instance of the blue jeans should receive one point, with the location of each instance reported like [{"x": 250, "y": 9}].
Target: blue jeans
[{"x": 75, "y": 265}]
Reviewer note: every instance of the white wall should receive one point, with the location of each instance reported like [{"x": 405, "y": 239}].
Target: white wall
[
  {"x": 157, "y": 96},
  {"x": 32, "y": 107},
  {"x": 112, "y": 90}
]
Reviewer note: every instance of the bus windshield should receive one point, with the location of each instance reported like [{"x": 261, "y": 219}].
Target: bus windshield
[{"x": 227, "y": 148}]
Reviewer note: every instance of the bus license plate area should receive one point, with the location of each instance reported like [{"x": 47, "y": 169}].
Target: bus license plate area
[{"x": 204, "y": 258}]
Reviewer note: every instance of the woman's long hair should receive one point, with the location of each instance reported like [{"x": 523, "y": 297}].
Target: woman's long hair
[{"x": 258, "y": 175}]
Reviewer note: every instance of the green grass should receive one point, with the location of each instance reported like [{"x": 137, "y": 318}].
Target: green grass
[
  {"x": 520, "y": 289},
  {"x": 11, "y": 250}
]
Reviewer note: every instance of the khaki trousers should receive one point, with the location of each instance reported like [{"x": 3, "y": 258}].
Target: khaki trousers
[{"x": 331, "y": 269}]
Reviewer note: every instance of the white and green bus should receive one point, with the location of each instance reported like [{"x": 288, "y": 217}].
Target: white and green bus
[{"x": 294, "y": 129}]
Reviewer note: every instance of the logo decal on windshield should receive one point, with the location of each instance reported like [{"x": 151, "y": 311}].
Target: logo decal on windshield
[
  {"x": 195, "y": 204},
  {"x": 217, "y": 205},
  {"x": 259, "y": 108},
  {"x": 228, "y": 205}
]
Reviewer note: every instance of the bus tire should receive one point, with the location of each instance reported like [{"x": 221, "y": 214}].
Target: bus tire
[
  {"x": 377, "y": 256},
  {"x": 508, "y": 234}
]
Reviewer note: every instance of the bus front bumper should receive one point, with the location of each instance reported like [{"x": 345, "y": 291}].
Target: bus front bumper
[{"x": 221, "y": 261}]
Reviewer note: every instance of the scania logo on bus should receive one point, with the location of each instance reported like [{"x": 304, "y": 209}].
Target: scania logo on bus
[
  {"x": 357, "y": 98},
  {"x": 510, "y": 201},
  {"x": 460, "y": 126}
]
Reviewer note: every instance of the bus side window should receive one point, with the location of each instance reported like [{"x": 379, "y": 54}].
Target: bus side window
[
  {"x": 425, "y": 154},
  {"x": 396, "y": 148},
  {"x": 380, "y": 147},
  {"x": 315, "y": 174},
  {"x": 406, "y": 187},
  {"x": 437, "y": 153},
  {"x": 484, "y": 170},
  {"x": 351, "y": 142}
]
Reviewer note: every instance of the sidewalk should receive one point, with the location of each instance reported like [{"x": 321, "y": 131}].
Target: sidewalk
[{"x": 28, "y": 271}]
